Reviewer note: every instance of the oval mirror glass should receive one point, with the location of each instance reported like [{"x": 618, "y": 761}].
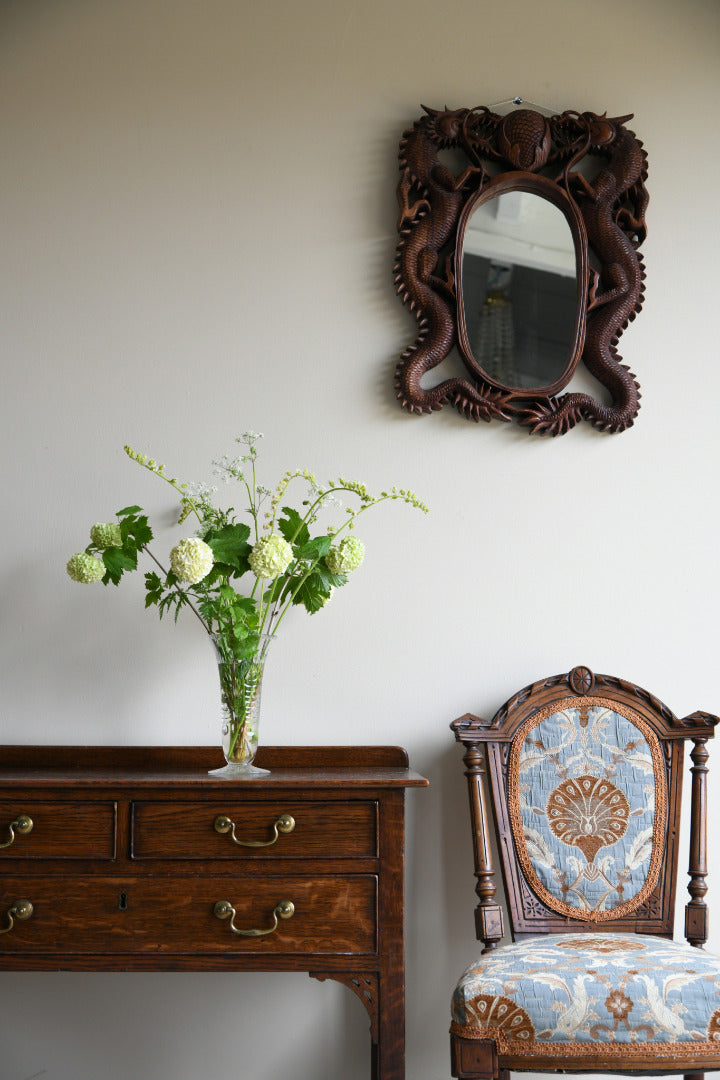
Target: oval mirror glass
[{"x": 518, "y": 296}]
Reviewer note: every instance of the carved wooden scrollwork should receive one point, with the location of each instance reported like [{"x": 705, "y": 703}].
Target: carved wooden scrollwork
[
  {"x": 364, "y": 985},
  {"x": 593, "y": 169}
]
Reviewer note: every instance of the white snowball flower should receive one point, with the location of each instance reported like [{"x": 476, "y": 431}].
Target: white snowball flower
[
  {"x": 85, "y": 568},
  {"x": 191, "y": 560},
  {"x": 106, "y": 534},
  {"x": 345, "y": 556},
  {"x": 270, "y": 557}
]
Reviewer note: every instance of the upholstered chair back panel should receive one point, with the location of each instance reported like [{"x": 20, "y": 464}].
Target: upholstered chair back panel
[{"x": 587, "y": 802}]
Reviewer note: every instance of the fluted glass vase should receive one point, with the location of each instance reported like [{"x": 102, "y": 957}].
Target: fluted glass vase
[{"x": 240, "y": 701}]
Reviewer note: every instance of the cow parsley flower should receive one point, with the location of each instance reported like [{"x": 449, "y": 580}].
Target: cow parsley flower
[
  {"x": 270, "y": 557},
  {"x": 191, "y": 560},
  {"x": 105, "y": 535},
  {"x": 85, "y": 568},
  {"x": 345, "y": 556}
]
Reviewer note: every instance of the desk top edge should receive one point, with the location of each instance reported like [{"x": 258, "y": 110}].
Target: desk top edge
[{"x": 367, "y": 765}]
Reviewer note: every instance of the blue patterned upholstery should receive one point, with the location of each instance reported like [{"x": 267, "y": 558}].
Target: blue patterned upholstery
[
  {"x": 585, "y": 774},
  {"x": 587, "y": 802},
  {"x": 565, "y": 993}
]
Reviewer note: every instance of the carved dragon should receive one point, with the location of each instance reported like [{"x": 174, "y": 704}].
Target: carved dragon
[
  {"x": 612, "y": 207},
  {"x": 431, "y": 199}
]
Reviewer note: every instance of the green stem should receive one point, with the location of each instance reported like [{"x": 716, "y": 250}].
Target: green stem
[
  {"x": 352, "y": 516},
  {"x": 179, "y": 590},
  {"x": 159, "y": 470}
]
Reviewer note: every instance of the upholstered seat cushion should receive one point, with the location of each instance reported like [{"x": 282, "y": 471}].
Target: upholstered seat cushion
[{"x": 570, "y": 992}]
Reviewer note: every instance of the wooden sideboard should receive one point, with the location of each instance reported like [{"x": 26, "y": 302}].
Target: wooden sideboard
[{"x": 135, "y": 859}]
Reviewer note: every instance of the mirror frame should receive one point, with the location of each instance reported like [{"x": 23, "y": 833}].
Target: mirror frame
[{"x": 594, "y": 169}]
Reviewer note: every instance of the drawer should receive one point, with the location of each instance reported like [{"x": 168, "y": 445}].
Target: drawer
[
  {"x": 60, "y": 830},
  {"x": 187, "y": 830},
  {"x": 176, "y": 916}
]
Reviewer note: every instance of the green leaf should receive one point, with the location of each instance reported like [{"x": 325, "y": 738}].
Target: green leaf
[
  {"x": 293, "y": 527},
  {"x": 245, "y": 604},
  {"x": 142, "y": 532},
  {"x": 135, "y": 531},
  {"x": 116, "y": 561},
  {"x": 334, "y": 581},
  {"x": 313, "y": 593},
  {"x": 314, "y": 549},
  {"x": 153, "y": 589},
  {"x": 129, "y": 510},
  {"x": 230, "y": 545},
  {"x": 277, "y": 588}
]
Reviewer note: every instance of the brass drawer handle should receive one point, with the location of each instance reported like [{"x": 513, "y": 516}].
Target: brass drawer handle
[
  {"x": 22, "y": 824},
  {"x": 284, "y": 824},
  {"x": 21, "y": 909},
  {"x": 224, "y": 910}
]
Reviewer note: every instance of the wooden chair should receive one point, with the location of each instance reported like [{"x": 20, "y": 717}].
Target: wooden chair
[{"x": 585, "y": 773}]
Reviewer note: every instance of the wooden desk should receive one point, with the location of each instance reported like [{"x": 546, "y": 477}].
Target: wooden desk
[{"x": 132, "y": 863}]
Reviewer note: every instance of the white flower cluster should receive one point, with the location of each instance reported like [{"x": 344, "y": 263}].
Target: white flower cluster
[
  {"x": 270, "y": 557},
  {"x": 191, "y": 560},
  {"x": 85, "y": 568},
  {"x": 345, "y": 556},
  {"x": 106, "y": 535}
]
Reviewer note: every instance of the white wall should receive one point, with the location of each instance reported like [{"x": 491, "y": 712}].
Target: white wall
[{"x": 197, "y": 235}]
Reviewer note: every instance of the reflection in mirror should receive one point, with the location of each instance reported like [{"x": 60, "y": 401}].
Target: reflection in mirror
[{"x": 519, "y": 289}]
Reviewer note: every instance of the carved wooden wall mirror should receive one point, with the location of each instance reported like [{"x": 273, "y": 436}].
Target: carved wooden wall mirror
[{"x": 519, "y": 239}]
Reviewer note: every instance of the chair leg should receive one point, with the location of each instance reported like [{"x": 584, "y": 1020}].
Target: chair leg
[
  {"x": 475, "y": 1059},
  {"x": 695, "y": 1076}
]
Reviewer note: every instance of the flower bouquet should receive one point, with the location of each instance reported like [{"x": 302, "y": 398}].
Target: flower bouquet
[{"x": 274, "y": 550}]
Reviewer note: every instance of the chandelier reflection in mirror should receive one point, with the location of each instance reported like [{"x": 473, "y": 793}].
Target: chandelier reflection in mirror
[{"x": 519, "y": 240}]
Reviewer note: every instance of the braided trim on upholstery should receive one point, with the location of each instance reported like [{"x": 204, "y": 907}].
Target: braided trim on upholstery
[
  {"x": 658, "y": 848},
  {"x": 705, "y": 1053}
]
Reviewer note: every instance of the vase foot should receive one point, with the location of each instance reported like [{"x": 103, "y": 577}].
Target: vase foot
[{"x": 238, "y": 771}]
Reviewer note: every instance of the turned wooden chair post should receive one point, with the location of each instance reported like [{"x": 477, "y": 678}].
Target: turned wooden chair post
[
  {"x": 488, "y": 914},
  {"x": 696, "y": 913}
]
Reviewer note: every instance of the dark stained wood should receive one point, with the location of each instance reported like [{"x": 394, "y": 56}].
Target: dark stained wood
[
  {"x": 127, "y": 915},
  {"x": 696, "y": 915},
  {"x": 71, "y": 829},
  {"x": 301, "y": 766},
  {"x": 365, "y": 987},
  {"x": 476, "y": 1066},
  {"x": 123, "y": 867},
  {"x": 162, "y": 830},
  {"x": 486, "y": 747},
  {"x": 488, "y": 914},
  {"x": 474, "y": 1058},
  {"x": 549, "y": 157}
]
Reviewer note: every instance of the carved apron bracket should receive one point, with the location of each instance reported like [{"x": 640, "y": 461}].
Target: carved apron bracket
[{"x": 364, "y": 986}]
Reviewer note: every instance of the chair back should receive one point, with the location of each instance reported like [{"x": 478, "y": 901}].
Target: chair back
[{"x": 585, "y": 774}]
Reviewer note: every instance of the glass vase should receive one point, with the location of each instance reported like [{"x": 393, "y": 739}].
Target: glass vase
[{"x": 240, "y": 702}]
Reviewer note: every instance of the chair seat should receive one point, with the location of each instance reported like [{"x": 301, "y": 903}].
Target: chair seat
[{"x": 571, "y": 992}]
